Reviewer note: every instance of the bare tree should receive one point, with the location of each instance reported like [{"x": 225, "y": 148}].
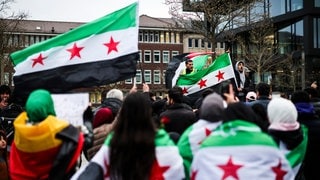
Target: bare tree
[
  {"x": 209, "y": 18},
  {"x": 258, "y": 48},
  {"x": 9, "y": 24}
]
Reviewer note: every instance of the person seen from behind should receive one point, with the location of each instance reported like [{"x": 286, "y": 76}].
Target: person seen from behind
[
  {"x": 288, "y": 133},
  {"x": 135, "y": 149},
  {"x": 44, "y": 146}
]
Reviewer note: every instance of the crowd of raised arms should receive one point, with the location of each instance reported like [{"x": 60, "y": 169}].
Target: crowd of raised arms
[{"x": 224, "y": 133}]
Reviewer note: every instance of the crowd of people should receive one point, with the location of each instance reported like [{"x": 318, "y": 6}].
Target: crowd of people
[{"x": 138, "y": 136}]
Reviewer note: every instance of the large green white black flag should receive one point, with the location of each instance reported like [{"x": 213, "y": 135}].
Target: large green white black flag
[{"x": 97, "y": 53}]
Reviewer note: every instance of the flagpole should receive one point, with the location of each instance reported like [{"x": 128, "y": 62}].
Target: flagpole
[{"x": 234, "y": 76}]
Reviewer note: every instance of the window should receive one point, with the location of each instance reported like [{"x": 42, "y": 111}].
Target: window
[
  {"x": 165, "y": 56},
  {"x": 147, "y": 76},
  {"x": 156, "y": 37},
  {"x": 145, "y": 37},
  {"x": 196, "y": 43},
  {"x": 202, "y": 43},
  {"x": 147, "y": 56},
  {"x": 151, "y": 37},
  {"x": 156, "y": 56},
  {"x": 138, "y": 77},
  {"x": 174, "y": 53},
  {"x": 140, "y": 37},
  {"x": 190, "y": 43},
  {"x": 316, "y": 3},
  {"x": 277, "y": 8},
  {"x": 209, "y": 45},
  {"x": 156, "y": 77}
]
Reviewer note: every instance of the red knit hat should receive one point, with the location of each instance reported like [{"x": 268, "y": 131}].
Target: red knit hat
[{"x": 103, "y": 116}]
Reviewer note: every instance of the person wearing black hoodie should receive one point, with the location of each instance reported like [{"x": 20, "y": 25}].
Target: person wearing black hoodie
[{"x": 308, "y": 117}]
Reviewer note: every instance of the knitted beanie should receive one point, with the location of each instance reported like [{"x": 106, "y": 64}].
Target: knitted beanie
[
  {"x": 211, "y": 108},
  {"x": 103, "y": 116},
  {"x": 282, "y": 115}
]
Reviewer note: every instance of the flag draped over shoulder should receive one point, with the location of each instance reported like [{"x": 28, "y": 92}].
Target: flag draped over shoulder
[
  {"x": 97, "y": 53},
  {"x": 168, "y": 162},
  {"x": 190, "y": 141},
  {"x": 240, "y": 150},
  {"x": 220, "y": 70}
]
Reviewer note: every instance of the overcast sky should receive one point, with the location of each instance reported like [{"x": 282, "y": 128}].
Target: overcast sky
[{"x": 84, "y": 10}]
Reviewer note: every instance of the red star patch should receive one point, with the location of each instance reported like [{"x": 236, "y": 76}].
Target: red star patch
[
  {"x": 185, "y": 90},
  {"x": 230, "y": 169},
  {"x": 157, "y": 171},
  {"x": 193, "y": 175},
  {"x": 207, "y": 133},
  {"x": 112, "y": 45},
  {"x": 220, "y": 75},
  {"x": 37, "y": 60},
  {"x": 202, "y": 83},
  {"x": 75, "y": 51},
  {"x": 278, "y": 171}
]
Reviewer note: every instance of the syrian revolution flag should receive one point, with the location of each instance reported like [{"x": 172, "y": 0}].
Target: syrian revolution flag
[
  {"x": 220, "y": 70},
  {"x": 191, "y": 139},
  {"x": 97, "y": 53},
  {"x": 168, "y": 163},
  {"x": 240, "y": 150}
]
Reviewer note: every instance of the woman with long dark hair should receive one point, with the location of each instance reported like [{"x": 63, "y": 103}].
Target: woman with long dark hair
[{"x": 135, "y": 149}]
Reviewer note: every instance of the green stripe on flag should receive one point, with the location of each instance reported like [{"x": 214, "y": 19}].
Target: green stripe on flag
[
  {"x": 163, "y": 139},
  {"x": 121, "y": 19},
  {"x": 190, "y": 79},
  {"x": 296, "y": 156},
  {"x": 238, "y": 133},
  {"x": 199, "y": 61}
]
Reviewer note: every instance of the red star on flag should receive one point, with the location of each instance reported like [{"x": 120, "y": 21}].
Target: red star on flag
[
  {"x": 75, "y": 51},
  {"x": 193, "y": 175},
  {"x": 37, "y": 60},
  {"x": 207, "y": 133},
  {"x": 112, "y": 45},
  {"x": 230, "y": 169},
  {"x": 279, "y": 172},
  {"x": 220, "y": 75},
  {"x": 202, "y": 83},
  {"x": 107, "y": 167},
  {"x": 157, "y": 171},
  {"x": 184, "y": 90}
]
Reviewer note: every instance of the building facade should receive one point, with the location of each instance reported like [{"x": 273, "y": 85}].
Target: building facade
[{"x": 297, "y": 35}]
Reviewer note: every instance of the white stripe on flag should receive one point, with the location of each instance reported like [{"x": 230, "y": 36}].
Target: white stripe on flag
[{"x": 94, "y": 50}]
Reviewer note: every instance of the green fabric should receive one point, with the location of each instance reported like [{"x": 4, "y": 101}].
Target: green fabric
[
  {"x": 190, "y": 79},
  {"x": 297, "y": 155},
  {"x": 39, "y": 105},
  {"x": 121, "y": 19},
  {"x": 185, "y": 150},
  {"x": 238, "y": 133}
]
